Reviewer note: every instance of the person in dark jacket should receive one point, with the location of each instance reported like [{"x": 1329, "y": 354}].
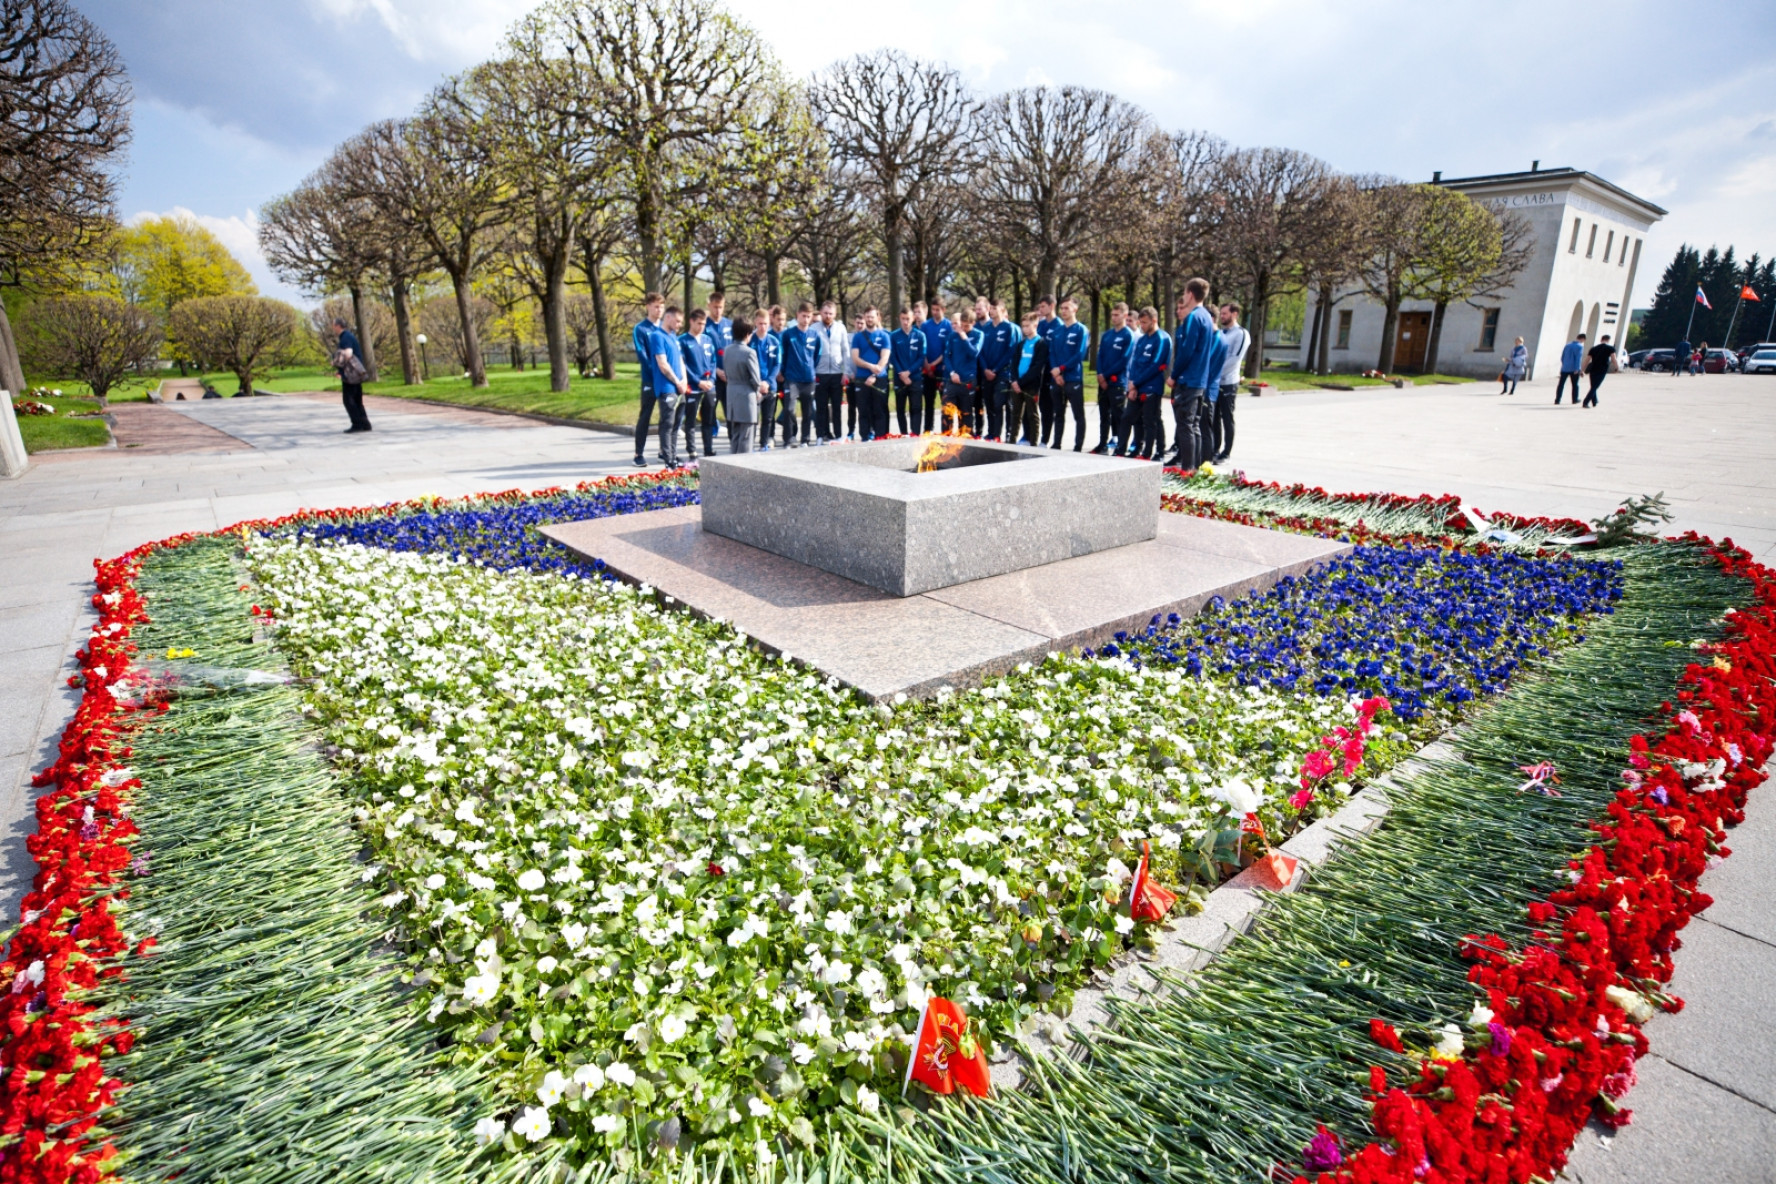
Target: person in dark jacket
[
  {"x": 1112, "y": 368},
  {"x": 1597, "y": 367},
  {"x": 1191, "y": 350},
  {"x": 349, "y": 364},
  {"x": 907, "y": 349},
  {"x": 1142, "y": 432},
  {"x": 961, "y": 369}
]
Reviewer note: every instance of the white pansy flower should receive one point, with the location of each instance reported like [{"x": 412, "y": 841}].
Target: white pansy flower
[
  {"x": 534, "y": 1125},
  {"x": 620, "y": 1074},
  {"x": 589, "y": 1077},
  {"x": 672, "y": 1028},
  {"x": 604, "y": 1124},
  {"x": 759, "y": 1107},
  {"x": 489, "y": 1130},
  {"x": 532, "y": 880},
  {"x": 554, "y": 1085},
  {"x": 868, "y": 1100},
  {"x": 434, "y": 882},
  {"x": 480, "y": 989}
]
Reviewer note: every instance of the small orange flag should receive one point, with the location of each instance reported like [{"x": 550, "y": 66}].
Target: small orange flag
[
  {"x": 1745, "y": 293},
  {"x": 946, "y": 1053},
  {"x": 1148, "y": 901}
]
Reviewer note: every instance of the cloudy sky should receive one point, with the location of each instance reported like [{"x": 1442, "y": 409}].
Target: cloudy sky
[{"x": 238, "y": 99}]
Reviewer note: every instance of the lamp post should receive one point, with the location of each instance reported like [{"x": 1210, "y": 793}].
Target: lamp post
[{"x": 425, "y": 371}]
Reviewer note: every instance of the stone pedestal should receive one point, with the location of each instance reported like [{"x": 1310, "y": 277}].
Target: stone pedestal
[{"x": 864, "y": 512}]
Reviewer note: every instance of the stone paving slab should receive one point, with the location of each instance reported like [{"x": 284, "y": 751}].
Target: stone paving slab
[
  {"x": 1685, "y": 1131},
  {"x": 886, "y": 645}
]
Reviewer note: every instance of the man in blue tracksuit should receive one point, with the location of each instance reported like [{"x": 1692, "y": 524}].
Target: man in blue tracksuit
[
  {"x": 937, "y": 334},
  {"x": 1068, "y": 342},
  {"x": 870, "y": 359},
  {"x": 700, "y": 412},
  {"x": 666, "y": 369},
  {"x": 799, "y": 349},
  {"x": 906, "y": 351},
  {"x": 699, "y": 362},
  {"x": 961, "y": 369},
  {"x": 1046, "y": 320},
  {"x": 768, "y": 345},
  {"x": 1028, "y": 368},
  {"x": 999, "y": 346},
  {"x": 1572, "y": 364},
  {"x": 1195, "y": 342},
  {"x": 1149, "y": 362},
  {"x": 1211, "y": 393},
  {"x": 643, "y": 341},
  {"x": 1112, "y": 366}
]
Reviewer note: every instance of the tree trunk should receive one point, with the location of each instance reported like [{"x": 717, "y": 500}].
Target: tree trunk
[
  {"x": 555, "y": 319},
  {"x": 773, "y": 279},
  {"x": 1313, "y": 331},
  {"x": 477, "y": 366},
  {"x": 1389, "y": 326},
  {"x": 404, "y": 330},
  {"x": 1045, "y": 277},
  {"x": 515, "y": 348},
  {"x": 595, "y": 280},
  {"x": 647, "y": 238},
  {"x": 246, "y": 381},
  {"x": 12, "y": 370},
  {"x": 366, "y": 350},
  {"x": 1093, "y": 295},
  {"x": 1325, "y": 365},
  {"x": 896, "y": 249},
  {"x": 1430, "y": 362},
  {"x": 1017, "y": 298},
  {"x": 690, "y": 293},
  {"x": 1256, "y": 326}
]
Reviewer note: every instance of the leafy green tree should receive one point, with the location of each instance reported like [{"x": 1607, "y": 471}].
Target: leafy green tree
[
  {"x": 1465, "y": 251},
  {"x": 246, "y": 335},
  {"x": 161, "y": 262}
]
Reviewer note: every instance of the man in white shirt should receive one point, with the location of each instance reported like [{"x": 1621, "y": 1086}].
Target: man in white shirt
[
  {"x": 1238, "y": 341},
  {"x": 832, "y": 352}
]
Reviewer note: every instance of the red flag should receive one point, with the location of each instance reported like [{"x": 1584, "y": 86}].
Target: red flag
[
  {"x": 1277, "y": 869},
  {"x": 946, "y": 1054},
  {"x": 1252, "y": 826},
  {"x": 1746, "y": 293},
  {"x": 1148, "y": 901}
]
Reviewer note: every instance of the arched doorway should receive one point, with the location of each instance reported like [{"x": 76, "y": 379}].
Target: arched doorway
[
  {"x": 1591, "y": 329},
  {"x": 1578, "y": 321}
]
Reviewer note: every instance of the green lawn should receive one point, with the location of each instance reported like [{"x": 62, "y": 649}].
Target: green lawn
[
  {"x": 63, "y": 429},
  {"x": 1289, "y": 378}
]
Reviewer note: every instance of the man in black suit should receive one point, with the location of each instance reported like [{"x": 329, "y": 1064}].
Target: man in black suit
[{"x": 348, "y": 362}]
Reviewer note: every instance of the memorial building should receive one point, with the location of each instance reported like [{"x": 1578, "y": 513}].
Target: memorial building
[{"x": 1587, "y": 237}]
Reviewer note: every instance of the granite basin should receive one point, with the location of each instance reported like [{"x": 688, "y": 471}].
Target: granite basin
[{"x": 862, "y": 511}]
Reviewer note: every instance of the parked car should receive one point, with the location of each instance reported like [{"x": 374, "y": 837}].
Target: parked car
[
  {"x": 1745, "y": 351},
  {"x": 1654, "y": 359},
  {"x": 1720, "y": 361},
  {"x": 1761, "y": 362}
]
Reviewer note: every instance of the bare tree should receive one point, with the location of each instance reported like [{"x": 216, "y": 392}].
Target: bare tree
[
  {"x": 95, "y": 339},
  {"x": 441, "y": 320},
  {"x": 833, "y": 237},
  {"x": 322, "y": 239},
  {"x": 935, "y": 236},
  {"x": 671, "y": 75},
  {"x": 902, "y": 125},
  {"x": 581, "y": 315},
  {"x": 64, "y": 121},
  {"x": 603, "y": 230},
  {"x": 1278, "y": 204},
  {"x": 1516, "y": 245},
  {"x": 246, "y": 335},
  {"x": 1333, "y": 263},
  {"x": 1187, "y": 166},
  {"x": 780, "y": 161},
  {"x": 1052, "y": 157}
]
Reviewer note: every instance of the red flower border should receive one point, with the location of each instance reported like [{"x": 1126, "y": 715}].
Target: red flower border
[
  {"x": 1562, "y": 1043},
  {"x": 53, "y": 1085}
]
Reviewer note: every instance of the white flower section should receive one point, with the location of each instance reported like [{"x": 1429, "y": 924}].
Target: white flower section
[{"x": 618, "y": 835}]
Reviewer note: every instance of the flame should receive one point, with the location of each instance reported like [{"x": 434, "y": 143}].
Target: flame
[{"x": 939, "y": 449}]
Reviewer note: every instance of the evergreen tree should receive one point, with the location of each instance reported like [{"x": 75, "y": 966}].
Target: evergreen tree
[{"x": 1665, "y": 321}]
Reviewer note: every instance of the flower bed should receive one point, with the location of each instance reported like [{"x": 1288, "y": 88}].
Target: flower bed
[{"x": 655, "y": 891}]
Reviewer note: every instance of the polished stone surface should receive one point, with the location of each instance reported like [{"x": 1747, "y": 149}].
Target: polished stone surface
[
  {"x": 864, "y": 512},
  {"x": 886, "y": 645}
]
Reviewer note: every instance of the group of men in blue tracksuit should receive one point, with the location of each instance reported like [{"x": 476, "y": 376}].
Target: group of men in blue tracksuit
[{"x": 977, "y": 372}]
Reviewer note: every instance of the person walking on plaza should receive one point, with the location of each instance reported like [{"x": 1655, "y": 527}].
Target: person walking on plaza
[
  {"x": 1697, "y": 358},
  {"x": 1515, "y": 366},
  {"x": 699, "y": 363},
  {"x": 348, "y": 363},
  {"x": 1149, "y": 362},
  {"x": 1572, "y": 361},
  {"x": 1191, "y": 351},
  {"x": 800, "y": 348},
  {"x": 870, "y": 357},
  {"x": 832, "y": 351},
  {"x": 1112, "y": 367},
  {"x": 1238, "y": 341},
  {"x": 1599, "y": 362},
  {"x": 936, "y": 331},
  {"x": 643, "y": 340},
  {"x": 746, "y": 383},
  {"x": 671, "y": 388},
  {"x": 961, "y": 368},
  {"x": 906, "y": 349},
  {"x": 1680, "y": 358},
  {"x": 1068, "y": 342}
]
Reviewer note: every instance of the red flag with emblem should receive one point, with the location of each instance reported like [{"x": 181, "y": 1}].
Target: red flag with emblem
[
  {"x": 1148, "y": 901},
  {"x": 946, "y": 1054}
]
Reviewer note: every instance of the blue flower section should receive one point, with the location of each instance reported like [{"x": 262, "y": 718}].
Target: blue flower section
[
  {"x": 1422, "y": 626},
  {"x": 503, "y": 536}
]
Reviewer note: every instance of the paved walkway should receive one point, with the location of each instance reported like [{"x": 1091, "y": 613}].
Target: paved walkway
[{"x": 1706, "y": 1104}]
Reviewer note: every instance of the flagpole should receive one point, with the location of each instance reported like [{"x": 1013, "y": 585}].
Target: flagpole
[
  {"x": 1771, "y": 327},
  {"x": 1727, "y": 342},
  {"x": 1688, "y": 325}
]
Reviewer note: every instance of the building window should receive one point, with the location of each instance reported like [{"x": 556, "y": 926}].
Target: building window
[
  {"x": 1591, "y": 245},
  {"x": 1489, "y": 329},
  {"x": 1609, "y": 245},
  {"x": 1572, "y": 248},
  {"x": 1623, "y": 261},
  {"x": 1344, "y": 329}
]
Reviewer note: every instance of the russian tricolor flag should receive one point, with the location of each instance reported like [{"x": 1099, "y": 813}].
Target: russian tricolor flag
[{"x": 1702, "y": 299}]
